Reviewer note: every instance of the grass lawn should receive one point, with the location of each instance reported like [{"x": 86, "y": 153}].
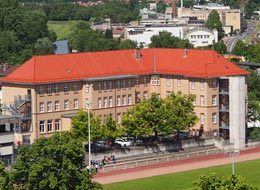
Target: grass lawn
[
  {"x": 61, "y": 28},
  {"x": 183, "y": 180}
]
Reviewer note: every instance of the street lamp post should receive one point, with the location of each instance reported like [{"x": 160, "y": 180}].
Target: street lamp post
[
  {"x": 232, "y": 153},
  {"x": 89, "y": 145}
]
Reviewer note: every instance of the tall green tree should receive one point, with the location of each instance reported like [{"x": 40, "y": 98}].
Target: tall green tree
[
  {"x": 156, "y": 115},
  {"x": 214, "y": 22},
  {"x": 220, "y": 47},
  {"x": 127, "y": 44},
  {"x": 4, "y": 178},
  {"x": 8, "y": 15},
  {"x": 52, "y": 163},
  {"x": 166, "y": 40},
  {"x": 44, "y": 46},
  {"x": 239, "y": 48},
  {"x": 80, "y": 127}
]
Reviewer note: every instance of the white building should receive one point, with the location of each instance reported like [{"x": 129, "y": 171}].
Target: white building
[
  {"x": 200, "y": 37},
  {"x": 142, "y": 34}
]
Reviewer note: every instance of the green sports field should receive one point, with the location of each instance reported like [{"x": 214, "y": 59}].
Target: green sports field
[
  {"x": 183, "y": 180},
  {"x": 62, "y": 28}
]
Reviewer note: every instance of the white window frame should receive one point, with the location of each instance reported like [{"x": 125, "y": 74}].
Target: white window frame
[
  {"x": 214, "y": 100},
  {"x": 214, "y": 83},
  {"x": 105, "y": 102},
  {"x": 129, "y": 99},
  {"x": 129, "y": 83},
  {"x": 66, "y": 104},
  {"x": 145, "y": 95},
  {"x": 118, "y": 117},
  {"x": 123, "y": 84},
  {"x": 41, "y": 107},
  {"x": 124, "y": 100},
  {"x": 66, "y": 87},
  {"x": 41, "y": 90},
  {"x": 105, "y": 85},
  {"x": 75, "y": 103},
  {"x": 87, "y": 88},
  {"x": 99, "y": 102},
  {"x": 137, "y": 81},
  {"x": 56, "y": 88},
  {"x": 110, "y": 85},
  {"x": 57, "y": 125},
  {"x": 99, "y": 86},
  {"x": 168, "y": 81},
  {"x": 57, "y": 105},
  {"x": 49, "y": 106},
  {"x": 214, "y": 118},
  {"x": 118, "y": 85},
  {"x": 145, "y": 80},
  {"x": 49, "y": 125},
  {"x": 48, "y": 90},
  {"x": 42, "y": 126},
  {"x": 75, "y": 86}
]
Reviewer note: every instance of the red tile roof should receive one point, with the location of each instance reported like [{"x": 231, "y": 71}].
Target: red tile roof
[{"x": 54, "y": 68}]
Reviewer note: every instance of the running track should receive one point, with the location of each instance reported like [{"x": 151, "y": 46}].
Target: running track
[{"x": 173, "y": 167}]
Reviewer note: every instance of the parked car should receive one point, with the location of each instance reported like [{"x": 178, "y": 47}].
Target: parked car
[
  {"x": 104, "y": 145},
  {"x": 124, "y": 142}
]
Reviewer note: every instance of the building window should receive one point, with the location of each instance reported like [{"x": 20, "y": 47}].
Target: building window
[
  {"x": 110, "y": 85},
  {"x": 202, "y": 84},
  {"x": 168, "y": 93},
  {"x": 49, "y": 107},
  {"x": 66, "y": 104},
  {"x": 178, "y": 81},
  {"x": 202, "y": 100},
  {"x": 194, "y": 102},
  {"x": 41, "y": 107},
  {"x": 118, "y": 84},
  {"x": 145, "y": 80},
  {"x": 138, "y": 96},
  {"x": 214, "y": 118},
  {"x": 168, "y": 81},
  {"x": 124, "y": 100},
  {"x": 75, "y": 86},
  {"x": 105, "y": 85},
  {"x": 75, "y": 104},
  {"x": 214, "y": 100},
  {"x": 49, "y": 125},
  {"x": 87, "y": 88},
  {"x": 87, "y": 105},
  {"x": 118, "y": 118},
  {"x": 110, "y": 101},
  {"x": 118, "y": 100},
  {"x": 202, "y": 118},
  {"x": 57, "y": 105},
  {"x": 158, "y": 82},
  {"x": 214, "y": 83},
  {"x": 193, "y": 84},
  {"x": 56, "y": 88},
  {"x": 99, "y": 86},
  {"x": 42, "y": 127},
  {"x": 145, "y": 95},
  {"x": 129, "y": 99},
  {"x": 129, "y": 83},
  {"x": 99, "y": 102},
  {"x": 66, "y": 87},
  {"x": 41, "y": 90},
  {"x": 123, "y": 84},
  {"x": 48, "y": 89},
  {"x": 137, "y": 81},
  {"x": 105, "y": 102},
  {"x": 57, "y": 125}
]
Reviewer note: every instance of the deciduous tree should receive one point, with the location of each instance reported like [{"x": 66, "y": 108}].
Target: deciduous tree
[{"x": 52, "y": 163}]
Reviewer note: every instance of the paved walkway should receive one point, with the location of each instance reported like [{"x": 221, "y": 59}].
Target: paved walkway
[{"x": 173, "y": 167}]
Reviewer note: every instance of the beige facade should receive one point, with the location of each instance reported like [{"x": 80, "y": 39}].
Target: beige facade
[{"x": 53, "y": 105}]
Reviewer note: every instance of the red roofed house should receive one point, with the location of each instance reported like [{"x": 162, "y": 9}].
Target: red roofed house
[{"x": 50, "y": 89}]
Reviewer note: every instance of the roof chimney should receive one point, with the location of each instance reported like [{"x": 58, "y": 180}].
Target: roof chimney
[{"x": 137, "y": 53}]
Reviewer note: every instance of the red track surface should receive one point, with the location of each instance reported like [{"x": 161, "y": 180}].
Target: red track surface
[{"x": 174, "y": 166}]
